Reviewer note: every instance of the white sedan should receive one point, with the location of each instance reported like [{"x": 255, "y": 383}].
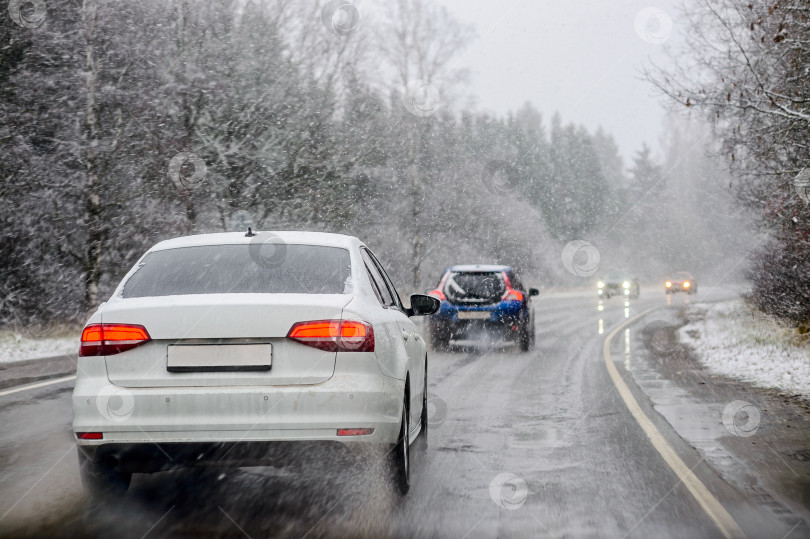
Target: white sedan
[{"x": 235, "y": 347}]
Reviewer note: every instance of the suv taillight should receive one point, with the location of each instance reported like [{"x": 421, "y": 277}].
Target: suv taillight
[
  {"x": 438, "y": 294},
  {"x": 513, "y": 295},
  {"x": 334, "y": 335},
  {"x": 110, "y": 339}
]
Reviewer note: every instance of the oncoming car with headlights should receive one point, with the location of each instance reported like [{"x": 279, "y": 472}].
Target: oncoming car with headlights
[
  {"x": 616, "y": 283},
  {"x": 235, "y": 348},
  {"x": 681, "y": 281}
]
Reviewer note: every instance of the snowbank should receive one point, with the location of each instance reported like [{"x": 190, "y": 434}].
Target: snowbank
[
  {"x": 733, "y": 340},
  {"x": 17, "y": 347}
]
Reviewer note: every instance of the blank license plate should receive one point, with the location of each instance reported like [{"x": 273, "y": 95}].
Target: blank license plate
[
  {"x": 219, "y": 358},
  {"x": 473, "y": 315}
]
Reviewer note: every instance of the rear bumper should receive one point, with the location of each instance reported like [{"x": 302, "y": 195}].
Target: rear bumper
[
  {"x": 505, "y": 312},
  {"x": 357, "y": 396},
  {"x": 154, "y": 457}
]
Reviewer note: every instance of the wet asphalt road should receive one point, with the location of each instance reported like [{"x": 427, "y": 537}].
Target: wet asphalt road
[{"x": 578, "y": 463}]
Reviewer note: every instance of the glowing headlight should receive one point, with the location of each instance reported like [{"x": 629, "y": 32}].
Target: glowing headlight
[
  {"x": 626, "y": 284},
  {"x": 686, "y": 284},
  {"x": 669, "y": 284},
  {"x": 600, "y": 284}
]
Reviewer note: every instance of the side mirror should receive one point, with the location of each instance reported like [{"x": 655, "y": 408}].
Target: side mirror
[
  {"x": 534, "y": 292},
  {"x": 422, "y": 305}
]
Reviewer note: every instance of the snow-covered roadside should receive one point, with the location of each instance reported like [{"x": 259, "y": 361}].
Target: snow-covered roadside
[
  {"x": 17, "y": 347},
  {"x": 733, "y": 340}
]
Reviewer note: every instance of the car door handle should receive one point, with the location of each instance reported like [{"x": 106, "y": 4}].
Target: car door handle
[{"x": 406, "y": 335}]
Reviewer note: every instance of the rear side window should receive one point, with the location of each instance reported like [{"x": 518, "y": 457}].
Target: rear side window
[
  {"x": 391, "y": 289},
  {"x": 474, "y": 287},
  {"x": 377, "y": 281},
  {"x": 241, "y": 269}
]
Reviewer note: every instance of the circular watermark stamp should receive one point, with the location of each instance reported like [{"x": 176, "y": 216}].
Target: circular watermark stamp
[
  {"x": 267, "y": 250},
  {"x": 437, "y": 411},
  {"x": 508, "y": 491},
  {"x": 741, "y": 418},
  {"x": 27, "y": 13},
  {"x": 500, "y": 177},
  {"x": 115, "y": 403},
  {"x": 801, "y": 183},
  {"x": 187, "y": 170},
  {"x": 659, "y": 337},
  {"x": 580, "y": 258},
  {"x": 421, "y": 98},
  {"x": 340, "y": 17},
  {"x": 653, "y": 25}
]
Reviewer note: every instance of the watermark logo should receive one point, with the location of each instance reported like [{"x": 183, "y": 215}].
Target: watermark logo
[
  {"x": 660, "y": 339},
  {"x": 741, "y": 418},
  {"x": 801, "y": 183},
  {"x": 340, "y": 17},
  {"x": 580, "y": 258},
  {"x": 653, "y": 25},
  {"x": 115, "y": 403},
  {"x": 499, "y": 177},
  {"x": 267, "y": 250},
  {"x": 421, "y": 98},
  {"x": 508, "y": 491},
  {"x": 187, "y": 170},
  {"x": 437, "y": 411},
  {"x": 27, "y": 13}
]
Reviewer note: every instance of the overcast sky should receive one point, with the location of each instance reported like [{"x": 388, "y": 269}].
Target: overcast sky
[{"x": 578, "y": 57}]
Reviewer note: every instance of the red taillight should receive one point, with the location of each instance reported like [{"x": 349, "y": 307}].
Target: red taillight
[
  {"x": 438, "y": 294},
  {"x": 334, "y": 335},
  {"x": 89, "y": 436},
  {"x": 109, "y": 339},
  {"x": 513, "y": 295},
  {"x": 354, "y": 432}
]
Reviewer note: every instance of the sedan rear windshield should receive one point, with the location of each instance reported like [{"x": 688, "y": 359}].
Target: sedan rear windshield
[
  {"x": 475, "y": 287},
  {"x": 242, "y": 269}
]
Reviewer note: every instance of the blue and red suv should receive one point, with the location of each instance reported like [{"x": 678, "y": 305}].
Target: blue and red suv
[{"x": 482, "y": 299}]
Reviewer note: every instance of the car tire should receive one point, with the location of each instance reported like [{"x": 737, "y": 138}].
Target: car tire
[
  {"x": 401, "y": 456},
  {"x": 525, "y": 339},
  {"x": 423, "y": 419},
  {"x": 100, "y": 480}
]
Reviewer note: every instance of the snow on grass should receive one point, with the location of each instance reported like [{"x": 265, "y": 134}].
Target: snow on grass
[
  {"x": 15, "y": 346},
  {"x": 732, "y": 339}
]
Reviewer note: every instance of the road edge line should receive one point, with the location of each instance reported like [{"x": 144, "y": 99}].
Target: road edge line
[
  {"x": 36, "y": 385},
  {"x": 710, "y": 504}
]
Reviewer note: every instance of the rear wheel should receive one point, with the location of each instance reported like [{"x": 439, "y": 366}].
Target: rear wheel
[
  {"x": 423, "y": 420},
  {"x": 100, "y": 480},
  {"x": 401, "y": 456},
  {"x": 525, "y": 339}
]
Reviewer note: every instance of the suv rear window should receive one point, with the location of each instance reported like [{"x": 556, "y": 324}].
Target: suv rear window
[
  {"x": 241, "y": 269},
  {"x": 474, "y": 287}
]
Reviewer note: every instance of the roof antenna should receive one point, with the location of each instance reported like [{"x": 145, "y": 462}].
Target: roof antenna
[{"x": 250, "y": 233}]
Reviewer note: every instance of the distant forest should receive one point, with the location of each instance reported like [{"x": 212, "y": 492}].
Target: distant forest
[{"x": 125, "y": 123}]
